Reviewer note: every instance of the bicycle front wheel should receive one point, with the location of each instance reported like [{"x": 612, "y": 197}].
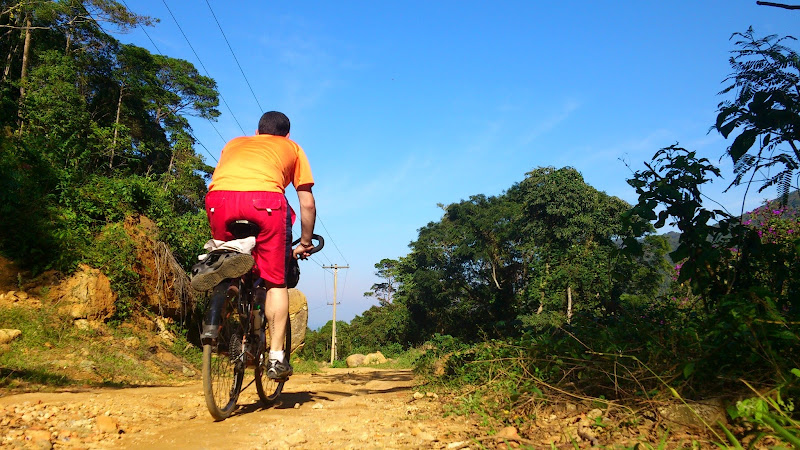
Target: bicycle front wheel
[
  {"x": 223, "y": 368},
  {"x": 269, "y": 389}
]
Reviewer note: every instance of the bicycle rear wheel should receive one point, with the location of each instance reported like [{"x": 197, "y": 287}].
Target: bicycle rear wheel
[
  {"x": 269, "y": 389},
  {"x": 223, "y": 366}
]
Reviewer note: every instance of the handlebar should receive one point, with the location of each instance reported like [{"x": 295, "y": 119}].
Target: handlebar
[{"x": 318, "y": 247}]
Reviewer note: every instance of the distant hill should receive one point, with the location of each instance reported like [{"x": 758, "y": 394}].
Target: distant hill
[{"x": 793, "y": 202}]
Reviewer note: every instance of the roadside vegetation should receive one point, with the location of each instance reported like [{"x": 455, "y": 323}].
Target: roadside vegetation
[
  {"x": 93, "y": 132},
  {"x": 551, "y": 293},
  {"x": 554, "y": 292},
  {"x": 52, "y": 353}
]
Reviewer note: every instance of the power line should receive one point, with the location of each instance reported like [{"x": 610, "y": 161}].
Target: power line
[
  {"x": 322, "y": 253},
  {"x": 209, "y": 120},
  {"x": 203, "y": 65},
  {"x": 201, "y": 145},
  {"x": 317, "y": 263},
  {"x": 145, "y": 31},
  {"x": 319, "y": 219},
  {"x": 159, "y": 51},
  {"x": 317, "y": 308},
  {"x": 234, "y": 56},
  {"x": 255, "y": 97}
]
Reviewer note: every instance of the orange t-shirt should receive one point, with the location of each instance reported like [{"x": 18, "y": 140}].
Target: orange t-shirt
[{"x": 263, "y": 163}]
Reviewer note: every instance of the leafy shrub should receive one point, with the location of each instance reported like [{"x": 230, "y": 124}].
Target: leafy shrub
[{"x": 113, "y": 252}]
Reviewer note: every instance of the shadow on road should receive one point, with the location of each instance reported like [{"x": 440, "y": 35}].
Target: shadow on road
[
  {"x": 329, "y": 388},
  {"x": 287, "y": 400},
  {"x": 365, "y": 377}
]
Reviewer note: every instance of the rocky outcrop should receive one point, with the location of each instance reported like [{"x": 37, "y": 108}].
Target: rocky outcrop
[
  {"x": 374, "y": 358},
  {"x": 357, "y": 359},
  {"x": 16, "y": 298},
  {"x": 693, "y": 414},
  {"x": 86, "y": 294},
  {"x": 165, "y": 285},
  {"x": 7, "y": 335}
]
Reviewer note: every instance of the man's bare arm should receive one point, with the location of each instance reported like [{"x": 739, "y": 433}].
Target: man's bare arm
[{"x": 308, "y": 217}]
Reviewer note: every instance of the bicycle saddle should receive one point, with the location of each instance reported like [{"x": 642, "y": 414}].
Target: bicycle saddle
[{"x": 241, "y": 229}]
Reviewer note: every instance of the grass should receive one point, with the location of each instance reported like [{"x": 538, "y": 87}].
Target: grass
[
  {"x": 405, "y": 360},
  {"x": 52, "y": 352},
  {"x": 185, "y": 349},
  {"x": 30, "y": 356},
  {"x": 304, "y": 366}
]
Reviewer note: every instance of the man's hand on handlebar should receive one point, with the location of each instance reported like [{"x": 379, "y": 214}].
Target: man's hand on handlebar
[{"x": 302, "y": 251}]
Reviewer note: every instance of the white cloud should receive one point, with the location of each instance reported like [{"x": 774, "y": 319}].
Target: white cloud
[{"x": 542, "y": 127}]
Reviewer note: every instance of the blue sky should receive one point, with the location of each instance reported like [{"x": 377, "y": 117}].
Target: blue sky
[{"x": 404, "y": 105}]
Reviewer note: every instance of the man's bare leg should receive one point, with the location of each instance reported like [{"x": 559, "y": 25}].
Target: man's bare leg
[{"x": 277, "y": 311}]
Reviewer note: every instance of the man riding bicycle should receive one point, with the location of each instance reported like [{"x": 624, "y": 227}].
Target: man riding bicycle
[{"x": 249, "y": 183}]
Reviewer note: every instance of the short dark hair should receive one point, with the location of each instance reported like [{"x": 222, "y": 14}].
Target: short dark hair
[{"x": 274, "y": 123}]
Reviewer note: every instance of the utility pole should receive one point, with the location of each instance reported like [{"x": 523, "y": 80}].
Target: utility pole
[{"x": 335, "y": 268}]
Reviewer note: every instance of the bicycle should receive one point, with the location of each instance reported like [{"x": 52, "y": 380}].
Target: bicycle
[{"x": 240, "y": 341}]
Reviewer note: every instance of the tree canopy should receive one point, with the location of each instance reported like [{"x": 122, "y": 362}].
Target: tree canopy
[{"x": 93, "y": 131}]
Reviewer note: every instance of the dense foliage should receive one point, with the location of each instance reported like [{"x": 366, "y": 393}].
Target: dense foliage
[
  {"x": 542, "y": 253},
  {"x": 93, "y": 131},
  {"x": 554, "y": 287},
  {"x": 765, "y": 112}
]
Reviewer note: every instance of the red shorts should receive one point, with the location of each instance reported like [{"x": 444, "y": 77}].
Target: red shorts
[{"x": 273, "y": 215}]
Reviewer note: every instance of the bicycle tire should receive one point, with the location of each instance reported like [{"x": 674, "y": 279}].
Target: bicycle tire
[
  {"x": 223, "y": 367},
  {"x": 268, "y": 389}
]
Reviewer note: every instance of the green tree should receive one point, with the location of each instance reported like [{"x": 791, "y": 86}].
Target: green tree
[
  {"x": 380, "y": 327},
  {"x": 384, "y": 290},
  {"x": 571, "y": 249},
  {"x": 764, "y": 115},
  {"x": 459, "y": 277},
  {"x": 740, "y": 273},
  {"x": 669, "y": 192},
  {"x": 94, "y": 135},
  {"x": 493, "y": 262}
]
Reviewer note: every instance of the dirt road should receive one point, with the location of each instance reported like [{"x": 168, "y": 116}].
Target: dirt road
[{"x": 337, "y": 408}]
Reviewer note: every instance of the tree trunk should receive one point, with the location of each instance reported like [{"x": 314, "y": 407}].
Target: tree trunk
[
  {"x": 167, "y": 174},
  {"x": 11, "y": 51},
  {"x": 541, "y": 288},
  {"x": 9, "y": 59},
  {"x": 494, "y": 276},
  {"x": 25, "y": 53},
  {"x": 569, "y": 304},
  {"x": 116, "y": 127},
  {"x": 24, "y": 73}
]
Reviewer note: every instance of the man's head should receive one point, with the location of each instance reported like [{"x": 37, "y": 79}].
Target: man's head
[{"x": 274, "y": 123}]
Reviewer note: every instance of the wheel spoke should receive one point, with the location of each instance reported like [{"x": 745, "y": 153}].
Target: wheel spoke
[{"x": 223, "y": 369}]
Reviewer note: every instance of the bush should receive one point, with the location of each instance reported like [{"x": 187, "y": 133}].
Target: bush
[{"x": 113, "y": 252}]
